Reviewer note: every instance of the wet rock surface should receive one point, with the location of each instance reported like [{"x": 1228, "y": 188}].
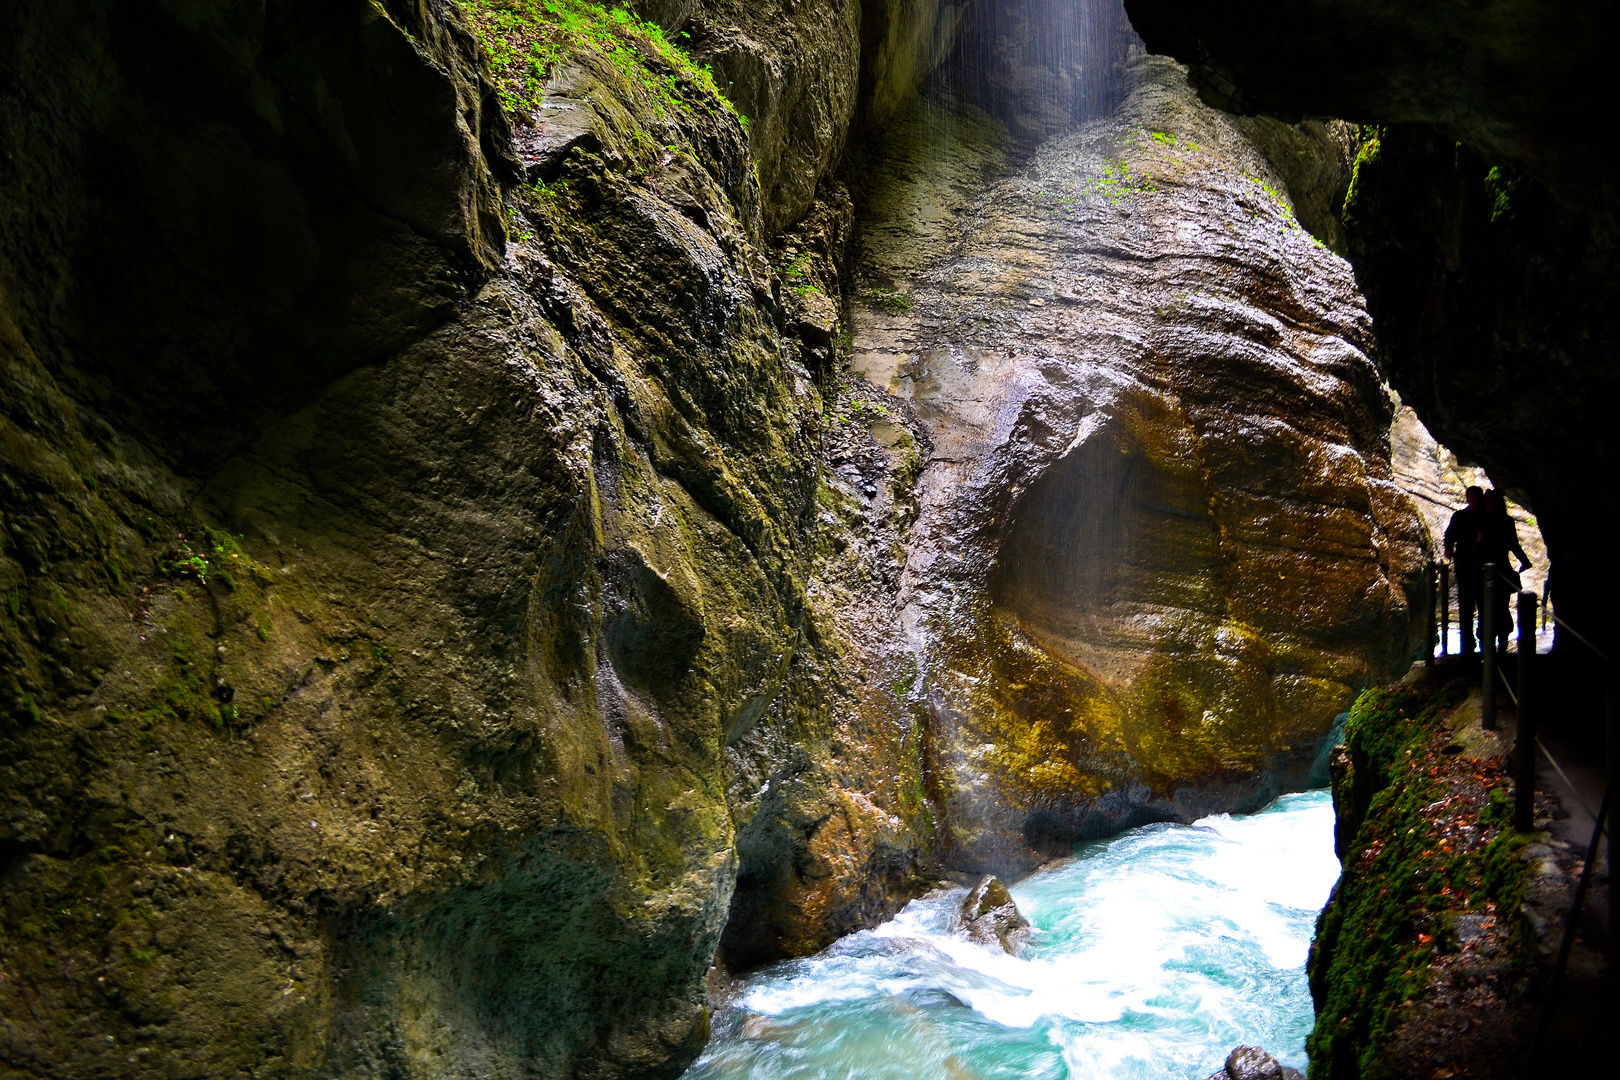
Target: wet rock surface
[
  {"x": 1253, "y": 1063},
  {"x": 1481, "y": 226},
  {"x": 453, "y": 589},
  {"x": 808, "y": 75},
  {"x": 1159, "y": 546},
  {"x": 367, "y": 700},
  {"x": 989, "y": 916}
]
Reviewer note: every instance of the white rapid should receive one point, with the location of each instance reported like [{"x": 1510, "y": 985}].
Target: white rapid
[{"x": 1153, "y": 955}]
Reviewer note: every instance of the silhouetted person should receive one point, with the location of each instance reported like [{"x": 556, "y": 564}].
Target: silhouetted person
[
  {"x": 1499, "y": 539},
  {"x": 1465, "y": 535}
]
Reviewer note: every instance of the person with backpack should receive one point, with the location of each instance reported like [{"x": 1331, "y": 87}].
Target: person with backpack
[
  {"x": 1465, "y": 535},
  {"x": 1499, "y": 538}
]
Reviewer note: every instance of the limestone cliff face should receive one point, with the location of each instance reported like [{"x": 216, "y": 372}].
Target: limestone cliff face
[
  {"x": 453, "y": 591},
  {"x": 806, "y": 74},
  {"x": 391, "y": 549},
  {"x": 1481, "y": 225},
  {"x": 1159, "y": 546}
]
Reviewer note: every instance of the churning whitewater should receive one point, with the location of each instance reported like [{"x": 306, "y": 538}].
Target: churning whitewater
[{"x": 1153, "y": 955}]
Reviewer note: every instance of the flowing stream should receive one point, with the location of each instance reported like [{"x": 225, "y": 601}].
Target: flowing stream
[{"x": 1153, "y": 954}]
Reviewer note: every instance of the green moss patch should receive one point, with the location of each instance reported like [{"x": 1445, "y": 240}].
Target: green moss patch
[
  {"x": 1362, "y": 172},
  {"x": 1053, "y": 727},
  {"x": 526, "y": 39},
  {"x": 1424, "y": 837}
]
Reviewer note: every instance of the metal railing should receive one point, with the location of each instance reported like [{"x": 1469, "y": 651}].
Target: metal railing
[
  {"x": 1567, "y": 941},
  {"x": 1527, "y": 742}
]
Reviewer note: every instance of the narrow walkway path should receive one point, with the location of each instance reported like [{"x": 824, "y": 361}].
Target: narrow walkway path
[{"x": 1575, "y": 786}]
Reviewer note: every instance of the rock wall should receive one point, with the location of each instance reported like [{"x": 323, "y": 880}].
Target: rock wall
[
  {"x": 805, "y": 76},
  {"x": 1481, "y": 224},
  {"x": 1481, "y": 227},
  {"x": 452, "y": 590},
  {"x": 391, "y": 547},
  {"x": 1159, "y": 545}
]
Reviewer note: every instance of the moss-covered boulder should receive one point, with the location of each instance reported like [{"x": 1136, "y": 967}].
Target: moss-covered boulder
[{"x": 1433, "y": 952}]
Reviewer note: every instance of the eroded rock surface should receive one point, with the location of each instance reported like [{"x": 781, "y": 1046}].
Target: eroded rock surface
[
  {"x": 452, "y": 590},
  {"x": 1159, "y": 545},
  {"x": 388, "y": 566},
  {"x": 1482, "y": 226},
  {"x": 808, "y": 73},
  {"x": 989, "y": 916}
]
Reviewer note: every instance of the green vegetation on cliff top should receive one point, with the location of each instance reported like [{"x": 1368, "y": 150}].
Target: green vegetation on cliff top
[{"x": 526, "y": 39}]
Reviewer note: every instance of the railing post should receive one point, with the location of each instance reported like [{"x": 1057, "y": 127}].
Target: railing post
[
  {"x": 1524, "y": 770},
  {"x": 1487, "y": 649},
  {"x": 1428, "y": 654},
  {"x": 1445, "y": 608},
  {"x": 1611, "y": 717}
]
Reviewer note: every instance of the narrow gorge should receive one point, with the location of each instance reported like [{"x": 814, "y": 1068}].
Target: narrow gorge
[{"x": 518, "y": 516}]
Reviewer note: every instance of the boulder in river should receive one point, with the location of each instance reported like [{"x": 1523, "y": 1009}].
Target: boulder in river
[
  {"x": 1253, "y": 1063},
  {"x": 990, "y": 917}
]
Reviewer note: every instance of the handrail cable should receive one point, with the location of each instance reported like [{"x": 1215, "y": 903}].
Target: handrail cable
[
  {"x": 1560, "y": 771},
  {"x": 1580, "y": 637},
  {"x": 1508, "y": 687},
  {"x": 1568, "y": 941},
  {"x": 1547, "y": 609}
]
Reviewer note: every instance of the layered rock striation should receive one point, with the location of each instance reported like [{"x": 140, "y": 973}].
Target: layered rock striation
[
  {"x": 453, "y": 591},
  {"x": 1481, "y": 226},
  {"x": 1159, "y": 544}
]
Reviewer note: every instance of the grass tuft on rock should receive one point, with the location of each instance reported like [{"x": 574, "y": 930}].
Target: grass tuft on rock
[{"x": 527, "y": 39}]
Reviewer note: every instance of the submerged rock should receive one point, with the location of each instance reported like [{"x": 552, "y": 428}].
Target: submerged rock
[{"x": 989, "y": 916}]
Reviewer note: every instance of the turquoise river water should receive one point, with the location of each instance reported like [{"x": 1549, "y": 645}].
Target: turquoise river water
[{"x": 1154, "y": 954}]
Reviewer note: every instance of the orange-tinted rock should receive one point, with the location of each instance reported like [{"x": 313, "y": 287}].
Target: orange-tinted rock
[{"x": 1159, "y": 545}]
